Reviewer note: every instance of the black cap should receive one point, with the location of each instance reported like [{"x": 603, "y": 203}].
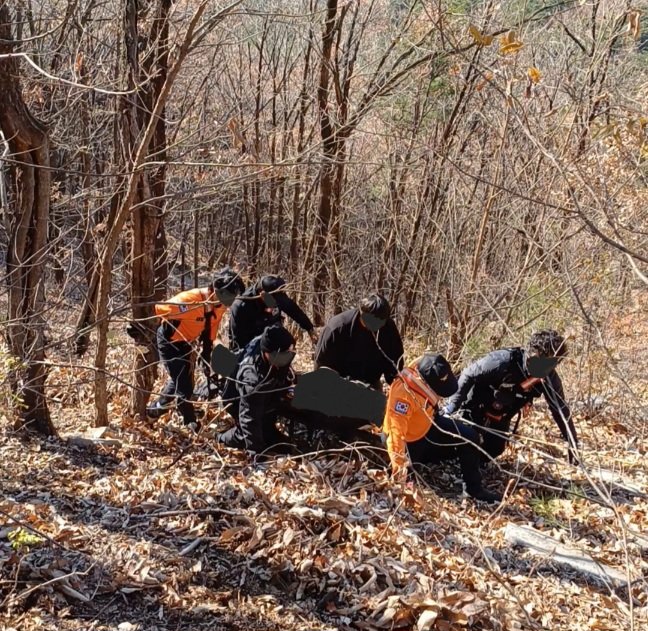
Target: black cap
[
  {"x": 271, "y": 283},
  {"x": 437, "y": 373},
  {"x": 276, "y": 338},
  {"x": 227, "y": 279}
]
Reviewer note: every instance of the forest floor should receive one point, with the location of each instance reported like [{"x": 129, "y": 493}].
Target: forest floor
[{"x": 166, "y": 531}]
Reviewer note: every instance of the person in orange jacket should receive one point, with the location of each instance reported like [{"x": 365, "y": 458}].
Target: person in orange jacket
[
  {"x": 190, "y": 316},
  {"x": 415, "y": 428}
]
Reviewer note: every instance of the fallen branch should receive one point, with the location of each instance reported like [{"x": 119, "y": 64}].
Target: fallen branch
[
  {"x": 617, "y": 480},
  {"x": 190, "y": 511},
  {"x": 542, "y": 544},
  {"x": 191, "y": 547},
  {"x": 66, "y": 589}
]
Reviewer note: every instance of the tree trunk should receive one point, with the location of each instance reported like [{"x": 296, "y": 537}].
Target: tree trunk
[
  {"x": 123, "y": 212},
  {"x": 147, "y": 218},
  {"x": 297, "y": 192},
  {"x": 28, "y": 216},
  {"x": 329, "y": 145}
]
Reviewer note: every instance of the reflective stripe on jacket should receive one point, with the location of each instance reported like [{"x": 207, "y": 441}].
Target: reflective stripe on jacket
[
  {"x": 187, "y": 311},
  {"x": 411, "y": 408}
]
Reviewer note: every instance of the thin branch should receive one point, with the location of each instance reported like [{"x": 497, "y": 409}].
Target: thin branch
[{"x": 36, "y": 67}]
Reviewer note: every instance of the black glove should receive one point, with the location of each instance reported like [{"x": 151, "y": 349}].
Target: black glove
[
  {"x": 207, "y": 372},
  {"x": 136, "y": 331}
]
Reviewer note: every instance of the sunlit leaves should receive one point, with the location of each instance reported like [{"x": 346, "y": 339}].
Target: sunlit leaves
[
  {"x": 509, "y": 44},
  {"x": 480, "y": 38},
  {"x": 23, "y": 539},
  {"x": 634, "y": 24}
]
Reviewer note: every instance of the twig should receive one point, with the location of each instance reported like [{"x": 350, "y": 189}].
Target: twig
[
  {"x": 194, "y": 511},
  {"x": 56, "y": 579},
  {"x": 191, "y": 547},
  {"x": 44, "y": 72}
]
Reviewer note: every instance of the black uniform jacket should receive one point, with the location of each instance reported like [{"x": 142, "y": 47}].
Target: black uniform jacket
[
  {"x": 353, "y": 351},
  {"x": 496, "y": 378},
  {"x": 249, "y": 316},
  {"x": 261, "y": 388}
]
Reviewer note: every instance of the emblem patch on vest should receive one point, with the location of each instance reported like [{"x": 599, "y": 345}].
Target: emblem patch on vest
[
  {"x": 184, "y": 308},
  {"x": 401, "y": 407}
]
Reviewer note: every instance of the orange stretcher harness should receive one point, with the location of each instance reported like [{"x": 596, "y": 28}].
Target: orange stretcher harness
[
  {"x": 418, "y": 386},
  {"x": 410, "y": 411},
  {"x": 525, "y": 386}
]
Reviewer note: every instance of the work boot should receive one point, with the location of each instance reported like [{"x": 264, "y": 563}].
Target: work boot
[
  {"x": 485, "y": 461},
  {"x": 186, "y": 411},
  {"x": 230, "y": 438},
  {"x": 483, "y": 494},
  {"x": 192, "y": 420},
  {"x": 157, "y": 409},
  {"x": 193, "y": 427}
]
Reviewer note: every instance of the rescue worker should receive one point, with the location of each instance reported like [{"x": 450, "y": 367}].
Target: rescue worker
[
  {"x": 190, "y": 316},
  {"x": 504, "y": 383},
  {"x": 260, "y": 306},
  {"x": 414, "y": 426},
  {"x": 262, "y": 380},
  {"x": 362, "y": 344}
]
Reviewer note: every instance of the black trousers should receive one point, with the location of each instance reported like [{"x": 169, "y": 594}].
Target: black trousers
[
  {"x": 231, "y": 398},
  {"x": 493, "y": 434},
  {"x": 448, "y": 439},
  {"x": 176, "y": 357},
  {"x": 256, "y": 434}
]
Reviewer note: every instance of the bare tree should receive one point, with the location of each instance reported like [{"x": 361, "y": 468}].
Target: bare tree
[
  {"x": 28, "y": 219},
  {"x": 147, "y": 63}
]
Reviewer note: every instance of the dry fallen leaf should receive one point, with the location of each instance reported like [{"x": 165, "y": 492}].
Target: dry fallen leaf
[{"x": 427, "y": 619}]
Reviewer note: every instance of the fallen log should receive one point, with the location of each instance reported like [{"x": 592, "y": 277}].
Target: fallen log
[
  {"x": 542, "y": 544},
  {"x": 94, "y": 437},
  {"x": 616, "y": 480},
  {"x": 85, "y": 442}
]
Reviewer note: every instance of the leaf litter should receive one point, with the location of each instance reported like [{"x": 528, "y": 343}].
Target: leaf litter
[{"x": 154, "y": 529}]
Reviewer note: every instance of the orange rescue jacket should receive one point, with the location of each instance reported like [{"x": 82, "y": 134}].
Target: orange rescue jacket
[
  {"x": 188, "y": 311},
  {"x": 411, "y": 408}
]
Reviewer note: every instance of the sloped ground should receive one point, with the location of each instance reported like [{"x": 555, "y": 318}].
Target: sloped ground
[{"x": 166, "y": 531}]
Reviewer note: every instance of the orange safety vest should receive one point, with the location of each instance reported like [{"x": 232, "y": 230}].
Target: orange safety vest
[
  {"x": 411, "y": 408},
  {"x": 189, "y": 309}
]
